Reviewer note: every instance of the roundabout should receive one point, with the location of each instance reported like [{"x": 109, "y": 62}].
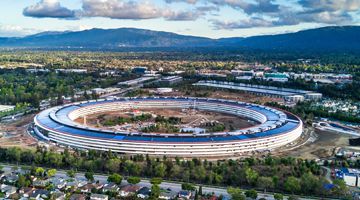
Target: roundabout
[{"x": 273, "y": 128}]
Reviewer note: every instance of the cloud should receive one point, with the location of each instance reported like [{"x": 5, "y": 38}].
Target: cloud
[
  {"x": 186, "y": 1},
  {"x": 48, "y": 8},
  {"x": 114, "y": 9},
  {"x": 118, "y": 9},
  {"x": 183, "y": 16},
  {"x": 258, "y": 13},
  {"x": 243, "y": 23},
  {"x": 329, "y": 12},
  {"x": 258, "y": 6},
  {"x": 331, "y": 5},
  {"x": 15, "y": 31}
]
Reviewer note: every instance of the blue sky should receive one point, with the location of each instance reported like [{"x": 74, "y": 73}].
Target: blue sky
[{"x": 209, "y": 18}]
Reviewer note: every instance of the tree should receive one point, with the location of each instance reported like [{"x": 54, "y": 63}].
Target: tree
[
  {"x": 292, "y": 184},
  {"x": 21, "y": 182},
  {"x": 115, "y": 178},
  {"x": 251, "y": 176},
  {"x": 200, "y": 190},
  {"x": 113, "y": 165},
  {"x": 292, "y": 197},
  {"x": 14, "y": 154},
  {"x": 89, "y": 176},
  {"x": 155, "y": 192},
  {"x": 196, "y": 195},
  {"x": 265, "y": 183},
  {"x": 133, "y": 180},
  {"x": 340, "y": 188},
  {"x": 51, "y": 172},
  {"x": 156, "y": 181},
  {"x": 160, "y": 170},
  {"x": 200, "y": 173},
  {"x": 40, "y": 171},
  {"x": 236, "y": 193},
  {"x": 309, "y": 183},
  {"x": 278, "y": 196},
  {"x": 188, "y": 186},
  {"x": 70, "y": 173},
  {"x": 251, "y": 194}
]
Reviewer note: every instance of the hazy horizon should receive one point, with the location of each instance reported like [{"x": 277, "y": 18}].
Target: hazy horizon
[{"x": 206, "y": 18}]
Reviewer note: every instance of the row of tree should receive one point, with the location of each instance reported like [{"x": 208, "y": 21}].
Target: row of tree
[{"x": 292, "y": 175}]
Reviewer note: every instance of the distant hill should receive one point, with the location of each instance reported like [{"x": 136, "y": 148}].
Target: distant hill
[
  {"x": 109, "y": 38},
  {"x": 339, "y": 38},
  {"x": 321, "y": 39}
]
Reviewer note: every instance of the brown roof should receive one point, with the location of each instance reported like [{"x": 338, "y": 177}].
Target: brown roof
[
  {"x": 130, "y": 188},
  {"x": 78, "y": 197}
]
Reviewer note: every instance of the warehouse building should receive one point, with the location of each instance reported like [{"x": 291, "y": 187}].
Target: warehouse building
[
  {"x": 171, "y": 80},
  {"x": 285, "y": 93}
]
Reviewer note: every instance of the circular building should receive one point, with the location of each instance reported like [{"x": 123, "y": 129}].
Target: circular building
[{"x": 275, "y": 128}]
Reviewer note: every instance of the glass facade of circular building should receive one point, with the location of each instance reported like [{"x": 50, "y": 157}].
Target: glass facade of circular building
[{"x": 275, "y": 128}]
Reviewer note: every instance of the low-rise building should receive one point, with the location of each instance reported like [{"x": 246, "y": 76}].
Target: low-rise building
[
  {"x": 184, "y": 194},
  {"x": 99, "y": 197},
  {"x": 26, "y": 191},
  {"x": 58, "y": 195},
  {"x": 129, "y": 190},
  {"x": 144, "y": 193},
  {"x": 8, "y": 189},
  {"x": 163, "y": 90},
  {"x": 111, "y": 187},
  {"x": 137, "y": 81},
  {"x": 295, "y": 98},
  {"x": 6, "y": 108},
  {"x": 39, "y": 194},
  {"x": 77, "y": 197},
  {"x": 171, "y": 80},
  {"x": 139, "y": 70},
  {"x": 313, "y": 96},
  {"x": 277, "y": 77},
  {"x": 167, "y": 195}
]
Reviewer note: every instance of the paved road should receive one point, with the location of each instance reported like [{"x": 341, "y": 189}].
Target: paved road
[{"x": 327, "y": 173}]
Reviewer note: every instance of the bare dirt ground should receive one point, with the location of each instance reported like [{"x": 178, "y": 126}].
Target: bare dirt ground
[
  {"x": 189, "y": 117},
  {"x": 15, "y": 135},
  {"x": 316, "y": 144},
  {"x": 234, "y": 95}
]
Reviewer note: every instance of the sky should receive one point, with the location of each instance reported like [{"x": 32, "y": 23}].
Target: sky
[{"x": 208, "y": 18}]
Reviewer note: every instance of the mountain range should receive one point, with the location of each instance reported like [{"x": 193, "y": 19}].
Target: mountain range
[{"x": 336, "y": 38}]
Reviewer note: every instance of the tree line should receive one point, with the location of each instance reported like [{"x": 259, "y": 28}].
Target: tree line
[{"x": 286, "y": 174}]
